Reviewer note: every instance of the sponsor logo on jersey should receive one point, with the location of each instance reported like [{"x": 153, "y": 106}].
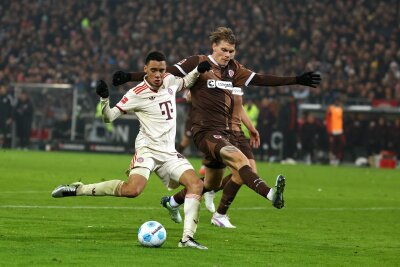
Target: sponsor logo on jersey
[
  {"x": 140, "y": 160},
  {"x": 152, "y": 97},
  {"x": 211, "y": 83},
  {"x": 231, "y": 73},
  {"x": 237, "y": 91},
  {"x": 219, "y": 84},
  {"x": 217, "y": 136}
]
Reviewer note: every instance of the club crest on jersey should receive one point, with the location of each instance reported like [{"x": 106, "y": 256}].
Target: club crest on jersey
[
  {"x": 170, "y": 91},
  {"x": 231, "y": 73},
  {"x": 140, "y": 160},
  {"x": 152, "y": 97},
  {"x": 217, "y": 136}
]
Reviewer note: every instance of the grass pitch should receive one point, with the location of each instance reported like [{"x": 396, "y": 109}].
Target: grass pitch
[{"x": 334, "y": 216}]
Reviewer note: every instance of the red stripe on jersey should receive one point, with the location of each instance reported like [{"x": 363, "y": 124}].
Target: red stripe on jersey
[
  {"x": 122, "y": 110},
  {"x": 140, "y": 88},
  {"x": 166, "y": 74}
]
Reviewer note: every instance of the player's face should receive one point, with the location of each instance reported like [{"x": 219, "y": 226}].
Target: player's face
[
  {"x": 223, "y": 52},
  {"x": 155, "y": 71}
]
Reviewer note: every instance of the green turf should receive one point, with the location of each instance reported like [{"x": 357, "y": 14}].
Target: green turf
[{"x": 334, "y": 216}]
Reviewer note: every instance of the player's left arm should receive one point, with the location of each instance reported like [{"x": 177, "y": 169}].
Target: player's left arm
[
  {"x": 191, "y": 77},
  {"x": 310, "y": 79},
  {"x": 247, "y": 77},
  {"x": 254, "y": 135}
]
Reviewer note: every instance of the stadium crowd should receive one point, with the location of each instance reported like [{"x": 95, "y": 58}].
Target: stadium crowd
[{"x": 353, "y": 44}]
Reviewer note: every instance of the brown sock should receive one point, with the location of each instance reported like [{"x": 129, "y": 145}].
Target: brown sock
[
  {"x": 224, "y": 182},
  {"x": 253, "y": 181},
  {"x": 228, "y": 195}
]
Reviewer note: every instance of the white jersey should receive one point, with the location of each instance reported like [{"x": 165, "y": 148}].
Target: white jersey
[{"x": 155, "y": 109}]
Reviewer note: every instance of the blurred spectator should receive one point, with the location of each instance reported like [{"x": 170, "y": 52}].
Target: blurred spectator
[
  {"x": 6, "y": 112},
  {"x": 265, "y": 124},
  {"x": 309, "y": 138},
  {"x": 288, "y": 126},
  {"x": 334, "y": 127},
  {"x": 354, "y": 42},
  {"x": 23, "y": 119}
]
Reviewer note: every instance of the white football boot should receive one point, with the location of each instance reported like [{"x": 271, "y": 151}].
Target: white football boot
[
  {"x": 209, "y": 201},
  {"x": 221, "y": 220}
]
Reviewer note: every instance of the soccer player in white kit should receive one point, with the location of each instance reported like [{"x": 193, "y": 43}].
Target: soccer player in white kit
[{"x": 153, "y": 102}]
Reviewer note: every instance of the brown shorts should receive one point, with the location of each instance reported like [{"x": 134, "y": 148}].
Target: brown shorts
[
  {"x": 211, "y": 142},
  {"x": 238, "y": 139}
]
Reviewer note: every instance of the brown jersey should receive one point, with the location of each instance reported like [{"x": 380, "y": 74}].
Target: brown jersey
[{"x": 215, "y": 92}]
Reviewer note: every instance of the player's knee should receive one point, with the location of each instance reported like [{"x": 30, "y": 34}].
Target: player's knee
[
  {"x": 132, "y": 192},
  {"x": 195, "y": 187}
]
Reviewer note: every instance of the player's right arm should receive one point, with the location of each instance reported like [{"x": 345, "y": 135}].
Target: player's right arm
[{"x": 109, "y": 114}]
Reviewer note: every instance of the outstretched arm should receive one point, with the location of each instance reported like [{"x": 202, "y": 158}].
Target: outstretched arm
[
  {"x": 121, "y": 77},
  {"x": 108, "y": 114},
  {"x": 311, "y": 79}
]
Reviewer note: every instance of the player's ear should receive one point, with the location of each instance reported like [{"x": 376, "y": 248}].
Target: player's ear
[{"x": 145, "y": 68}]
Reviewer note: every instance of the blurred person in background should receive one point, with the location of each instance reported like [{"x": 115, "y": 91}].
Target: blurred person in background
[
  {"x": 309, "y": 137},
  {"x": 334, "y": 128},
  {"x": 6, "y": 117},
  {"x": 288, "y": 125},
  {"x": 265, "y": 124},
  {"x": 23, "y": 119}
]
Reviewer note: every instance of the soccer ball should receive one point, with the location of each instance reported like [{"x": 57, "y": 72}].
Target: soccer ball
[{"x": 152, "y": 234}]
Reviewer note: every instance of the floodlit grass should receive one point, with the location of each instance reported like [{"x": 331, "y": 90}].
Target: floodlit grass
[{"x": 334, "y": 216}]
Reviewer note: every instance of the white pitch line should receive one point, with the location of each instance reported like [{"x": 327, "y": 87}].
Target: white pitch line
[{"x": 156, "y": 208}]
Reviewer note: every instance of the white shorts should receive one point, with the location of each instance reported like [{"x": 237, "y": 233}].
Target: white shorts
[{"x": 169, "y": 167}]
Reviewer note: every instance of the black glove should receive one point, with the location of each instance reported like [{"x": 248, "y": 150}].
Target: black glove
[
  {"x": 311, "y": 79},
  {"x": 203, "y": 67},
  {"x": 102, "y": 89},
  {"x": 120, "y": 77}
]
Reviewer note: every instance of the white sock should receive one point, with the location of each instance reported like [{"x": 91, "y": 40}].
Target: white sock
[
  {"x": 173, "y": 203},
  {"x": 191, "y": 209},
  {"x": 107, "y": 188},
  {"x": 271, "y": 194}
]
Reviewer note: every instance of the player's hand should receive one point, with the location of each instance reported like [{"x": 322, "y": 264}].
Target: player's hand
[
  {"x": 102, "y": 89},
  {"x": 311, "y": 79},
  {"x": 204, "y": 66},
  {"x": 254, "y": 139},
  {"x": 120, "y": 77}
]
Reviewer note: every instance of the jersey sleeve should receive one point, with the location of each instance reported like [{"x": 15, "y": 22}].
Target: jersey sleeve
[
  {"x": 243, "y": 76},
  {"x": 128, "y": 102},
  {"x": 184, "y": 66}
]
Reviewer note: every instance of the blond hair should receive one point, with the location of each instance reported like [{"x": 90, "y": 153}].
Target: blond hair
[{"x": 223, "y": 34}]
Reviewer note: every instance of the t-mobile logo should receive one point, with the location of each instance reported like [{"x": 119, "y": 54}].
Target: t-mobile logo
[{"x": 168, "y": 109}]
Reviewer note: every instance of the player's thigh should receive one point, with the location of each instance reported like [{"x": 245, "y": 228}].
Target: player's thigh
[
  {"x": 233, "y": 157},
  {"x": 172, "y": 170},
  {"x": 210, "y": 143}
]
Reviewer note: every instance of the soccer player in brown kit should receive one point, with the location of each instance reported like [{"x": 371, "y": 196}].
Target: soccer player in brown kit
[{"x": 213, "y": 102}]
